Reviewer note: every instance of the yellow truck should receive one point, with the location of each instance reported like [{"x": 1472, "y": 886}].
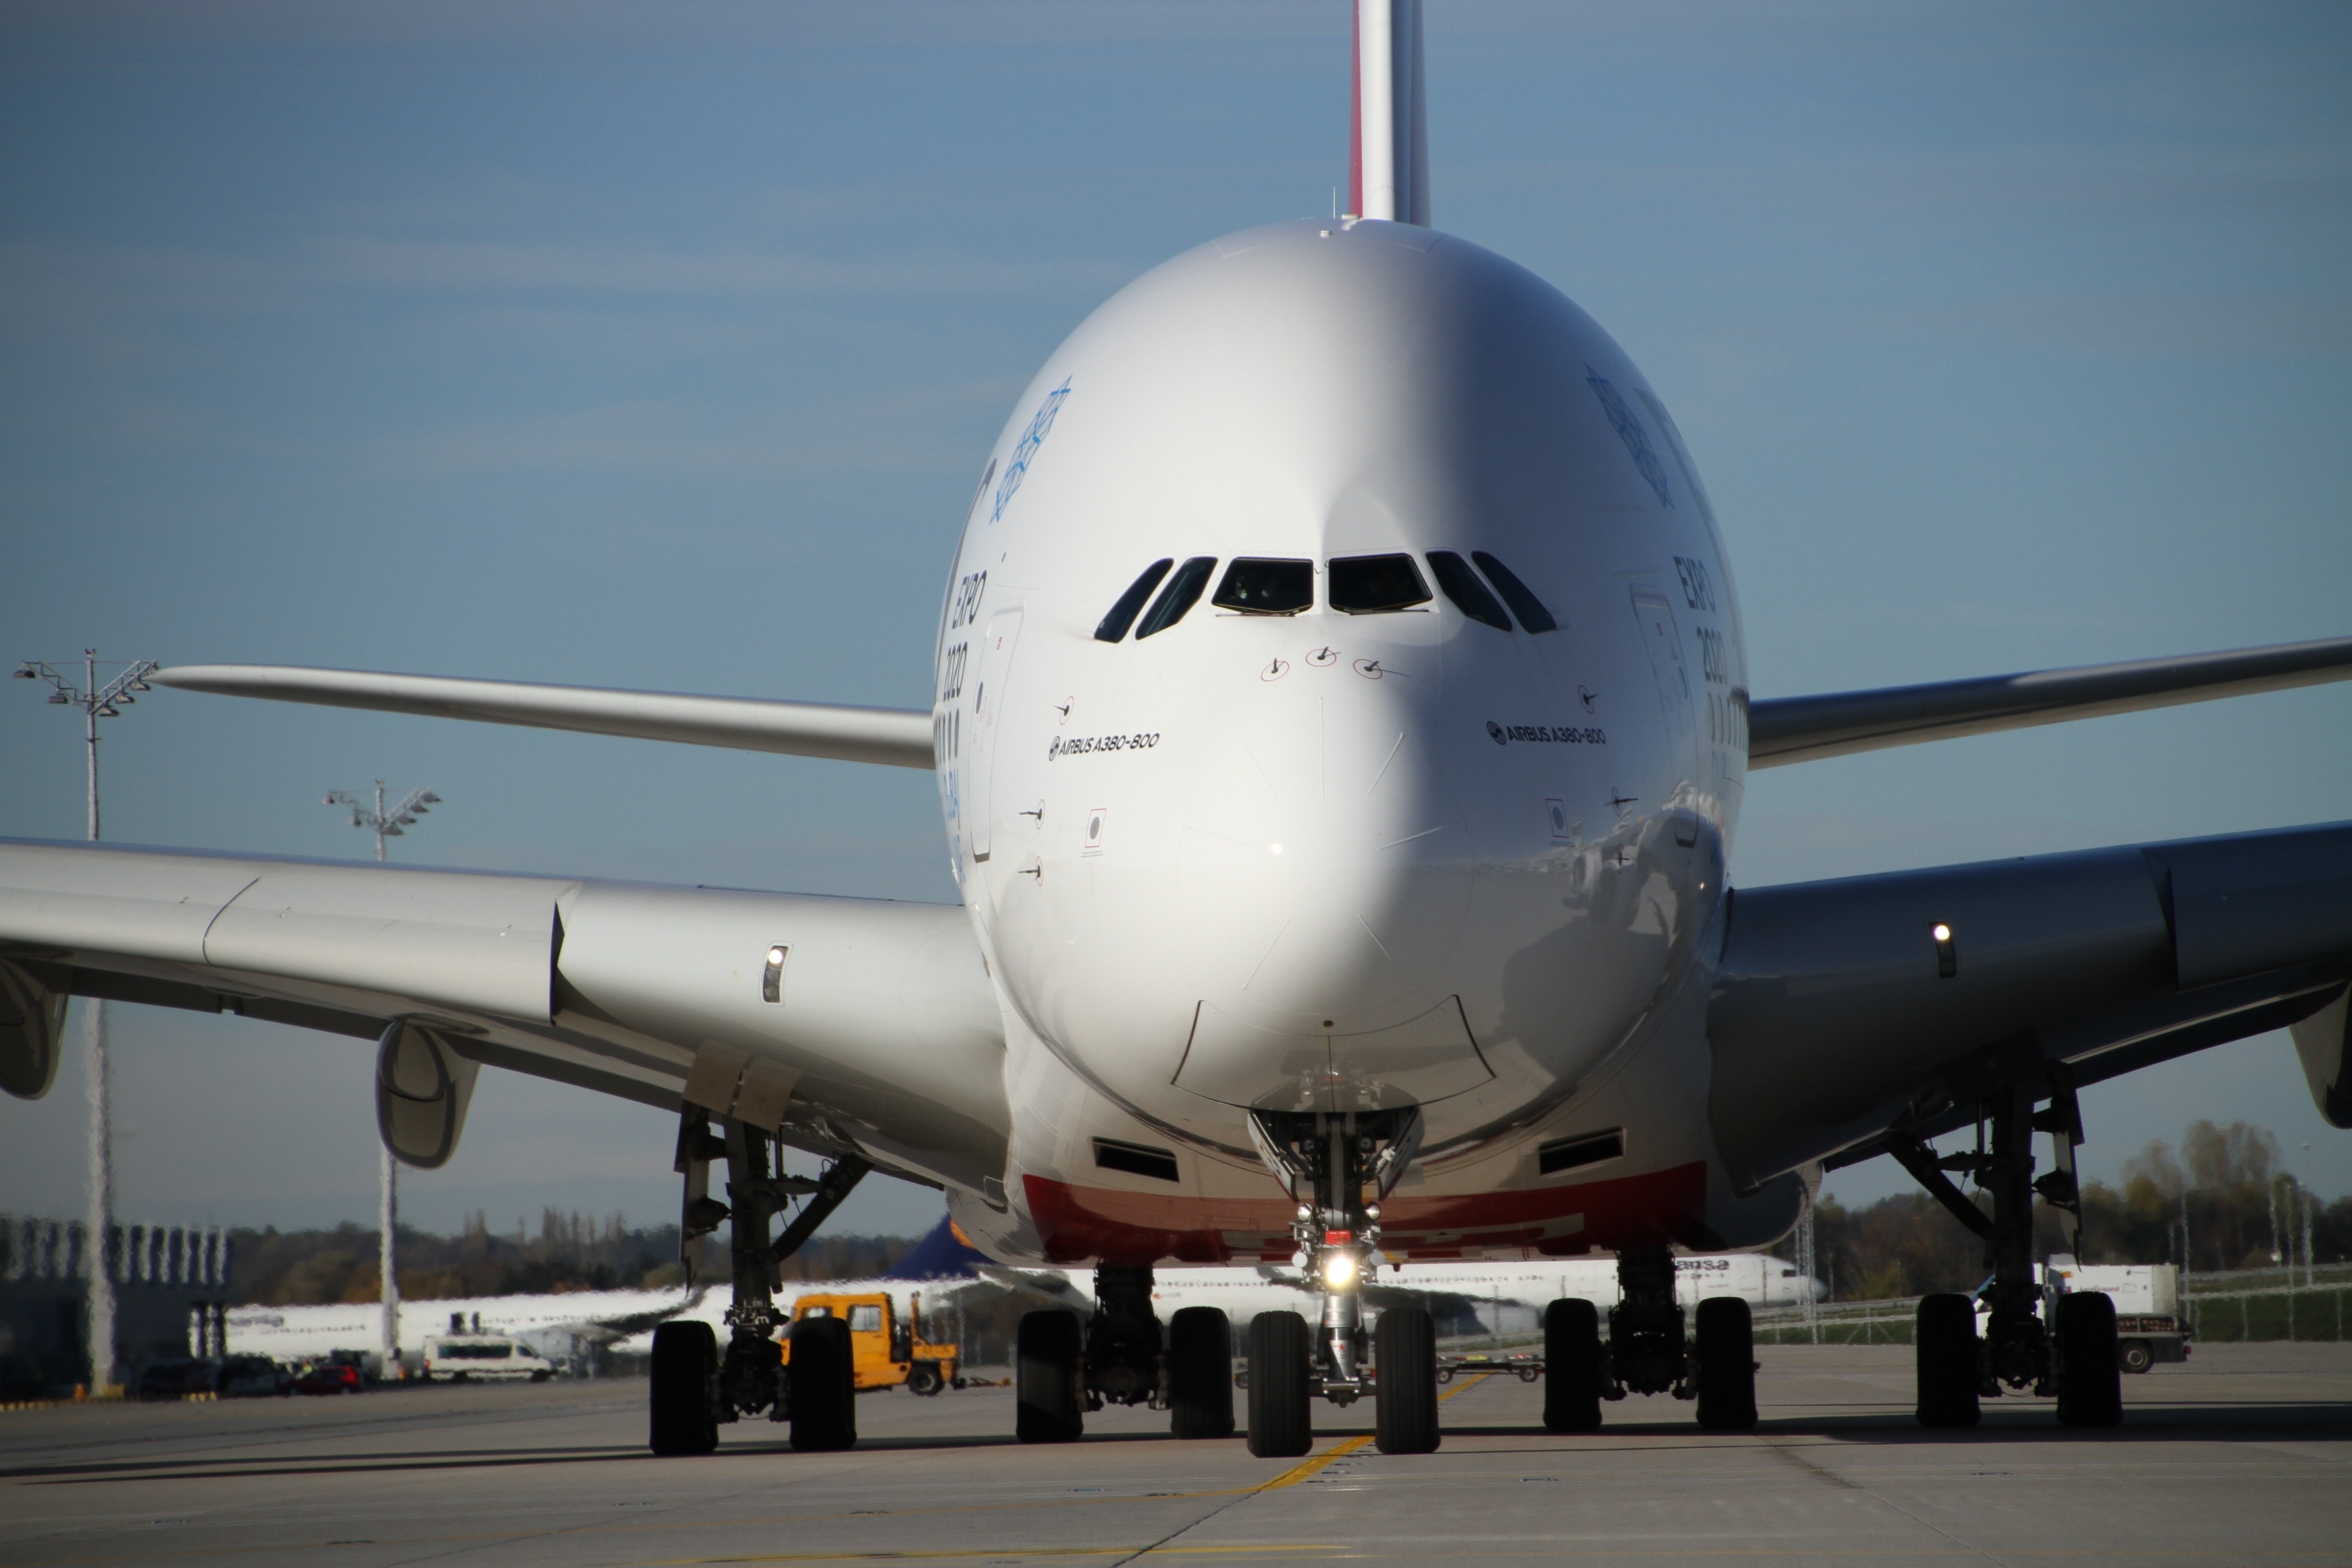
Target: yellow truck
[{"x": 885, "y": 1351}]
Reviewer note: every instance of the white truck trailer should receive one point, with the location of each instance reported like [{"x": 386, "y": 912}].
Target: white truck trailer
[{"x": 2149, "y": 1327}]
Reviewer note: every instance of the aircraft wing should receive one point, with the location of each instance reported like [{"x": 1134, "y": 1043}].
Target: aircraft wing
[
  {"x": 1783, "y": 730},
  {"x": 1839, "y": 1018},
  {"x": 894, "y": 736},
  {"x": 876, "y": 1034}
]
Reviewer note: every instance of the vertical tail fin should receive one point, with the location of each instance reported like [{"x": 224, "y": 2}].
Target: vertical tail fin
[{"x": 1388, "y": 155}]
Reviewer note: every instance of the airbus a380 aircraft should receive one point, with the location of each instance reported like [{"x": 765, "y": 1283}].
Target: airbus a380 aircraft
[{"x": 1340, "y": 726}]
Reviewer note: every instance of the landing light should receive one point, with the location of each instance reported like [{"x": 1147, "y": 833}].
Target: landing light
[{"x": 1339, "y": 1270}]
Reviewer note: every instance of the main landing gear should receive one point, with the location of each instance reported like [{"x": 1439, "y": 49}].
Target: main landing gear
[
  {"x": 1648, "y": 1351},
  {"x": 2038, "y": 1336},
  {"x": 1328, "y": 1162},
  {"x": 696, "y": 1388},
  {"x": 1063, "y": 1368}
]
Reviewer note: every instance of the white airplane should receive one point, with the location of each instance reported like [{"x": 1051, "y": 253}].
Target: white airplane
[
  {"x": 297, "y": 1334},
  {"x": 1340, "y": 726}
]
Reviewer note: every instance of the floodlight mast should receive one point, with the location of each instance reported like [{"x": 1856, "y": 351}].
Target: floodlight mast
[
  {"x": 386, "y": 825},
  {"x": 96, "y": 703}
]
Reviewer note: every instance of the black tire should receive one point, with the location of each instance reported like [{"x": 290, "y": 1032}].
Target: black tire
[
  {"x": 823, "y": 1375},
  {"x": 2090, "y": 1383},
  {"x": 1726, "y": 1365},
  {"x": 2135, "y": 1355},
  {"x": 1201, "y": 1374},
  {"x": 1571, "y": 1367},
  {"x": 1944, "y": 1346},
  {"x": 686, "y": 1357},
  {"x": 923, "y": 1380},
  {"x": 1280, "y": 1424},
  {"x": 1049, "y": 1405},
  {"x": 1405, "y": 1342}
]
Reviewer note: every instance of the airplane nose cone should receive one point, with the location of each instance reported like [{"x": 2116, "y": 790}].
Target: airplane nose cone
[{"x": 1325, "y": 877}]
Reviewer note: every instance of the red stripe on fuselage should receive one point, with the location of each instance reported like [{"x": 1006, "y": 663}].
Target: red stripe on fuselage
[{"x": 1083, "y": 1224}]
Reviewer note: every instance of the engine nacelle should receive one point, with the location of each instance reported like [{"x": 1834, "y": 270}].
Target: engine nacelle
[
  {"x": 422, "y": 1090},
  {"x": 32, "y": 1029}
]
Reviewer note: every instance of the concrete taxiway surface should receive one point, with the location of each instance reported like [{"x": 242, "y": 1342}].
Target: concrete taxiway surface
[{"x": 2242, "y": 1456}]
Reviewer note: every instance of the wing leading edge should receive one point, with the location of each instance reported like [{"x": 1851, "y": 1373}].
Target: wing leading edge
[
  {"x": 895, "y": 737},
  {"x": 1782, "y": 730}
]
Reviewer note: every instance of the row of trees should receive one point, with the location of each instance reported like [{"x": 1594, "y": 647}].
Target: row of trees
[
  {"x": 2223, "y": 1191},
  {"x": 571, "y": 1252}
]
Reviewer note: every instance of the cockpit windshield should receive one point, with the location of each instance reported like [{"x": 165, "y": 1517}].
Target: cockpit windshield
[
  {"x": 1469, "y": 596},
  {"x": 1530, "y": 610},
  {"x": 1183, "y": 592},
  {"x": 1131, "y": 604},
  {"x": 1255, "y": 587},
  {"x": 1373, "y": 585}
]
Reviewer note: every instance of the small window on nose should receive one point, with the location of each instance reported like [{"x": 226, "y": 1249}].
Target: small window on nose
[
  {"x": 1259, "y": 587},
  {"x": 1373, "y": 584}
]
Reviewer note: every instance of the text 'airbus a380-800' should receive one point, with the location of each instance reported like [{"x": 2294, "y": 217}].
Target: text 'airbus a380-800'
[{"x": 1343, "y": 819}]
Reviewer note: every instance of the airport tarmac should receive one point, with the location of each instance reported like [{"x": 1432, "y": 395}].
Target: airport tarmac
[{"x": 2244, "y": 1455}]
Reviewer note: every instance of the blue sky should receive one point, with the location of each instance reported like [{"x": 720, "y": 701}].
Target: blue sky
[{"x": 660, "y": 346}]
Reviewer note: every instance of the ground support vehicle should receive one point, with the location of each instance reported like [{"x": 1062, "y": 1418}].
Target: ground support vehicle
[
  {"x": 483, "y": 1358},
  {"x": 253, "y": 1377},
  {"x": 2148, "y": 1326},
  {"x": 884, "y": 1352},
  {"x": 1526, "y": 1367}
]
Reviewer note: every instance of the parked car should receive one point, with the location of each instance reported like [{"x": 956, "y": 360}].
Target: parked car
[
  {"x": 175, "y": 1377},
  {"x": 252, "y": 1377},
  {"x": 330, "y": 1377}
]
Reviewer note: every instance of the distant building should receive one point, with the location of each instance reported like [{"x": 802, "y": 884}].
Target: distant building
[{"x": 171, "y": 1291}]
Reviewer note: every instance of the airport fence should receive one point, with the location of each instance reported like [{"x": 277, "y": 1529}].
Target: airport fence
[{"x": 2253, "y": 1306}]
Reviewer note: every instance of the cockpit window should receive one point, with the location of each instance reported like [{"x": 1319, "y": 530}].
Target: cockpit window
[
  {"x": 1257, "y": 587},
  {"x": 1369, "y": 585},
  {"x": 1131, "y": 604},
  {"x": 1183, "y": 592},
  {"x": 1516, "y": 594},
  {"x": 1469, "y": 594}
]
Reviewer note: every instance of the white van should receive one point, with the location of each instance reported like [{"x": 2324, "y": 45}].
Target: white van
[{"x": 483, "y": 1358}]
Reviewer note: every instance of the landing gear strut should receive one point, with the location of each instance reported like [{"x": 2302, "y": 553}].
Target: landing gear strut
[
  {"x": 1122, "y": 1356},
  {"x": 1648, "y": 1351},
  {"x": 1329, "y": 1161},
  {"x": 2038, "y": 1336},
  {"x": 696, "y": 1388}
]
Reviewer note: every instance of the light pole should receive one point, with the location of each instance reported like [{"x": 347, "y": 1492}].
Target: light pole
[
  {"x": 96, "y": 703},
  {"x": 386, "y": 825}
]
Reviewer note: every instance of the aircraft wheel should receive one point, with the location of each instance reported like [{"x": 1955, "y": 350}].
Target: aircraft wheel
[
  {"x": 2090, "y": 1382},
  {"x": 1201, "y": 1373},
  {"x": 685, "y": 1358},
  {"x": 1049, "y": 1405},
  {"x": 1280, "y": 1424},
  {"x": 1944, "y": 1344},
  {"x": 1726, "y": 1365},
  {"x": 823, "y": 1374},
  {"x": 1406, "y": 1398},
  {"x": 1571, "y": 1367}
]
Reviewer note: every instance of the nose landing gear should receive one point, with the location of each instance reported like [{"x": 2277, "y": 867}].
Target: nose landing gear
[{"x": 1329, "y": 1161}]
